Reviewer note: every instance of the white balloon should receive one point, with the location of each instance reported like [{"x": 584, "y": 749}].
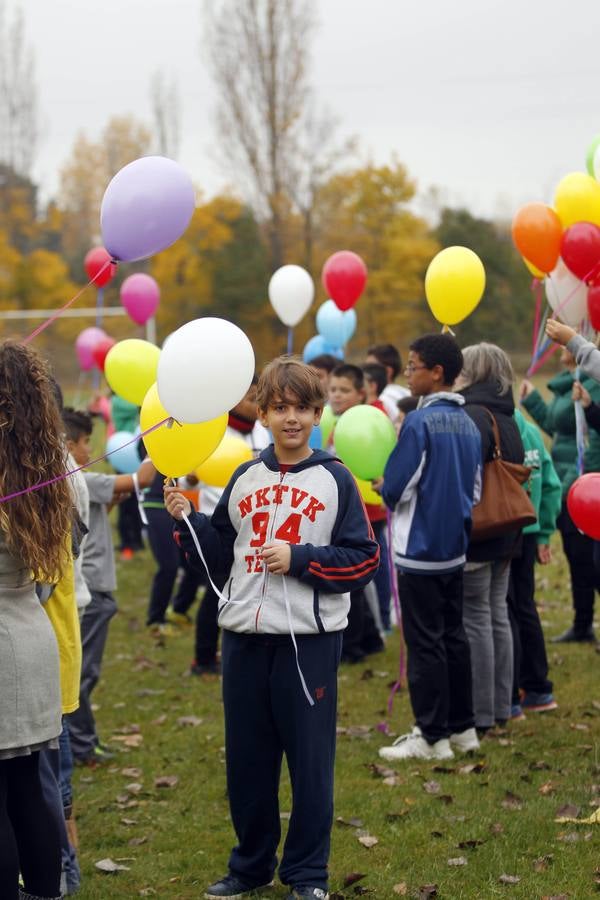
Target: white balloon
[
  {"x": 205, "y": 368},
  {"x": 567, "y": 295},
  {"x": 291, "y": 292}
]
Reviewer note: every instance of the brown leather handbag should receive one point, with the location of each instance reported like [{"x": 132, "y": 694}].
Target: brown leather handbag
[{"x": 505, "y": 505}]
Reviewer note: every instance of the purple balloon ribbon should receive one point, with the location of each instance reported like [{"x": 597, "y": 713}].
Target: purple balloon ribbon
[{"x": 43, "y": 484}]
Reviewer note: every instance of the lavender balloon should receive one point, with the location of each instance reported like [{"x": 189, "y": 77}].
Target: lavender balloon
[
  {"x": 84, "y": 346},
  {"x": 140, "y": 295},
  {"x": 146, "y": 207}
]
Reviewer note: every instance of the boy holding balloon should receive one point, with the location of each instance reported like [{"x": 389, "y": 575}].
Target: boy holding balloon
[
  {"x": 431, "y": 481},
  {"x": 291, "y": 536}
]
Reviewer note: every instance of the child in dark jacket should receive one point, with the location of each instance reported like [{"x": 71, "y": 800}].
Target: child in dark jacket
[
  {"x": 290, "y": 537},
  {"x": 431, "y": 480}
]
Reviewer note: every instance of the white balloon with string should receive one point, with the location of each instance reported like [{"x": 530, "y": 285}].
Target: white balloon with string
[
  {"x": 291, "y": 292},
  {"x": 566, "y": 295}
]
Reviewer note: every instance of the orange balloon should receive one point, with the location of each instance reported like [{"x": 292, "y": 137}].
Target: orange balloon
[{"x": 537, "y": 231}]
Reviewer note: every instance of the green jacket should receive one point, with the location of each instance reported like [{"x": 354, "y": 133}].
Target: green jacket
[
  {"x": 557, "y": 419},
  {"x": 125, "y": 415},
  {"x": 544, "y": 483}
]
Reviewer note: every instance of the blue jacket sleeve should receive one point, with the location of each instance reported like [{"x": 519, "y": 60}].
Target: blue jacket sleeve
[
  {"x": 404, "y": 467},
  {"x": 352, "y": 558},
  {"x": 216, "y": 536}
]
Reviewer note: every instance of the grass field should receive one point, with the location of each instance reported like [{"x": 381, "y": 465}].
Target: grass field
[{"x": 481, "y": 827}]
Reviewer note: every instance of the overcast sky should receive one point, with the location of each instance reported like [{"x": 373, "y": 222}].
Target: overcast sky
[{"x": 490, "y": 100}]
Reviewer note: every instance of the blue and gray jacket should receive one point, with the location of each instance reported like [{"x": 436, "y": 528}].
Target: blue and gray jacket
[
  {"x": 315, "y": 507},
  {"x": 431, "y": 481}
]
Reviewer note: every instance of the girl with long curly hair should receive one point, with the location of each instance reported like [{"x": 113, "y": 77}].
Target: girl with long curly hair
[{"x": 34, "y": 531}]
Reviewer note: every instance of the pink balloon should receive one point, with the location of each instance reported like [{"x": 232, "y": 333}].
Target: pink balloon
[
  {"x": 85, "y": 345},
  {"x": 140, "y": 295}
]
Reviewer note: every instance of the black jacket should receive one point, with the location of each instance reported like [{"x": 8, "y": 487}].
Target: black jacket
[{"x": 478, "y": 398}]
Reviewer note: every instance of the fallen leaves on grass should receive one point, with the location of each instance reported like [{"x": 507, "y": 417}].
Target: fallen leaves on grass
[
  {"x": 568, "y": 811},
  {"x": 432, "y": 787},
  {"x": 472, "y": 768},
  {"x": 109, "y": 866},
  {"x": 401, "y": 888},
  {"x": 547, "y": 788},
  {"x": 350, "y": 823},
  {"x": 594, "y": 819},
  {"x": 368, "y": 840},
  {"x": 131, "y": 772},
  {"x": 512, "y": 801},
  {"x": 470, "y": 844},
  {"x": 353, "y": 877},
  {"x": 137, "y": 841},
  {"x": 427, "y": 890},
  {"x": 542, "y": 862},
  {"x": 189, "y": 721},
  {"x": 457, "y": 861},
  {"x": 166, "y": 781},
  {"x": 509, "y": 879},
  {"x": 497, "y": 828}
]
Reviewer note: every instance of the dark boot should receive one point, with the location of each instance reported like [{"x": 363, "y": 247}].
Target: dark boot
[{"x": 573, "y": 635}]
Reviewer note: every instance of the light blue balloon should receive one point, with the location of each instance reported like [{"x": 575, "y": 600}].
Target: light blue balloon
[
  {"x": 318, "y": 345},
  {"x": 315, "y": 441},
  {"x": 126, "y": 461},
  {"x": 335, "y": 326}
]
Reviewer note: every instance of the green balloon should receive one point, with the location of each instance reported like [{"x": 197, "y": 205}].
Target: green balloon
[
  {"x": 364, "y": 439},
  {"x": 328, "y": 421},
  {"x": 589, "y": 159}
]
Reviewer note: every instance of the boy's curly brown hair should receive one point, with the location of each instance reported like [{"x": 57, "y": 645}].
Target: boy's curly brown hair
[
  {"x": 288, "y": 375},
  {"x": 36, "y": 526}
]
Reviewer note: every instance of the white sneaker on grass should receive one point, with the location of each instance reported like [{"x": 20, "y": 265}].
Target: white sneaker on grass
[
  {"x": 414, "y": 746},
  {"x": 466, "y": 741}
]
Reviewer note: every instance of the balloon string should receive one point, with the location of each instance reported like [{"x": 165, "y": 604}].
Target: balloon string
[
  {"x": 69, "y": 303},
  {"x": 228, "y": 600},
  {"x": 43, "y": 484},
  {"x": 536, "y": 288},
  {"x": 579, "y": 429},
  {"x": 542, "y": 358}
]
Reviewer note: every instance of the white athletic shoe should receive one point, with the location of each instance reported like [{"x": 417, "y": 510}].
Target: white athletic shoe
[
  {"x": 465, "y": 741},
  {"x": 414, "y": 746}
]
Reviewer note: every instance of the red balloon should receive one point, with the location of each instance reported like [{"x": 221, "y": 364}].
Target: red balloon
[
  {"x": 94, "y": 263},
  {"x": 344, "y": 278},
  {"x": 100, "y": 351},
  {"x": 593, "y": 302},
  {"x": 580, "y": 249},
  {"x": 583, "y": 503}
]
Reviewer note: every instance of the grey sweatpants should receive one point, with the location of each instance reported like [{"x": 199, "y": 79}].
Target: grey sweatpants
[
  {"x": 94, "y": 631},
  {"x": 486, "y": 622}
]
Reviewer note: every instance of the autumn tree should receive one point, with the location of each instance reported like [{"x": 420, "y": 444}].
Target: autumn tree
[
  {"x": 166, "y": 114},
  {"x": 258, "y": 53},
  {"x": 86, "y": 174},
  {"x": 367, "y": 210},
  {"x": 18, "y": 96}
]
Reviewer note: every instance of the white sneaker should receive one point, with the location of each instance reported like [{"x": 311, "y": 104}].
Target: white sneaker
[
  {"x": 414, "y": 746},
  {"x": 465, "y": 741}
]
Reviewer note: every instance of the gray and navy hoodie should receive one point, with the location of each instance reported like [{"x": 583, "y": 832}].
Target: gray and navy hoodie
[
  {"x": 315, "y": 507},
  {"x": 431, "y": 481}
]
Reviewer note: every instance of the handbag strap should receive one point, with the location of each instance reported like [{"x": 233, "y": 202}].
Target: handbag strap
[{"x": 497, "y": 451}]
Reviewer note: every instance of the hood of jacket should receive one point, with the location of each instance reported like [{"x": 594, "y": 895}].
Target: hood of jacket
[{"x": 485, "y": 393}]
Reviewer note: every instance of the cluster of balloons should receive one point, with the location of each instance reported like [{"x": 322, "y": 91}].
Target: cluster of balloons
[
  {"x": 454, "y": 284},
  {"x": 344, "y": 278},
  {"x": 561, "y": 243},
  {"x": 185, "y": 390},
  {"x": 92, "y": 347}
]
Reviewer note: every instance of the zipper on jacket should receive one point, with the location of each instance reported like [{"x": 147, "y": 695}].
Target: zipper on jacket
[{"x": 266, "y": 578}]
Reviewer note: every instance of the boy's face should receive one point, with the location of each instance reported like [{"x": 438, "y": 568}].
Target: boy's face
[
  {"x": 80, "y": 449},
  {"x": 343, "y": 394},
  {"x": 421, "y": 380},
  {"x": 291, "y": 422}
]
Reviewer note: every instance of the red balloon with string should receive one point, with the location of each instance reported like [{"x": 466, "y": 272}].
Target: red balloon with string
[
  {"x": 95, "y": 264},
  {"x": 101, "y": 350},
  {"x": 580, "y": 250},
  {"x": 344, "y": 277},
  {"x": 583, "y": 503}
]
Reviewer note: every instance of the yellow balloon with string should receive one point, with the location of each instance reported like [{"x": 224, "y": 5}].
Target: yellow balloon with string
[
  {"x": 454, "y": 284},
  {"x": 177, "y": 449}
]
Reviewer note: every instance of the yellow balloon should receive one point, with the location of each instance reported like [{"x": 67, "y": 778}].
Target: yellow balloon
[
  {"x": 179, "y": 449},
  {"x": 537, "y": 273},
  {"x": 130, "y": 369},
  {"x": 367, "y": 493},
  {"x": 454, "y": 284},
  {"x": 577, "y": 199},
  {"x": 220, "y": 466}
]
